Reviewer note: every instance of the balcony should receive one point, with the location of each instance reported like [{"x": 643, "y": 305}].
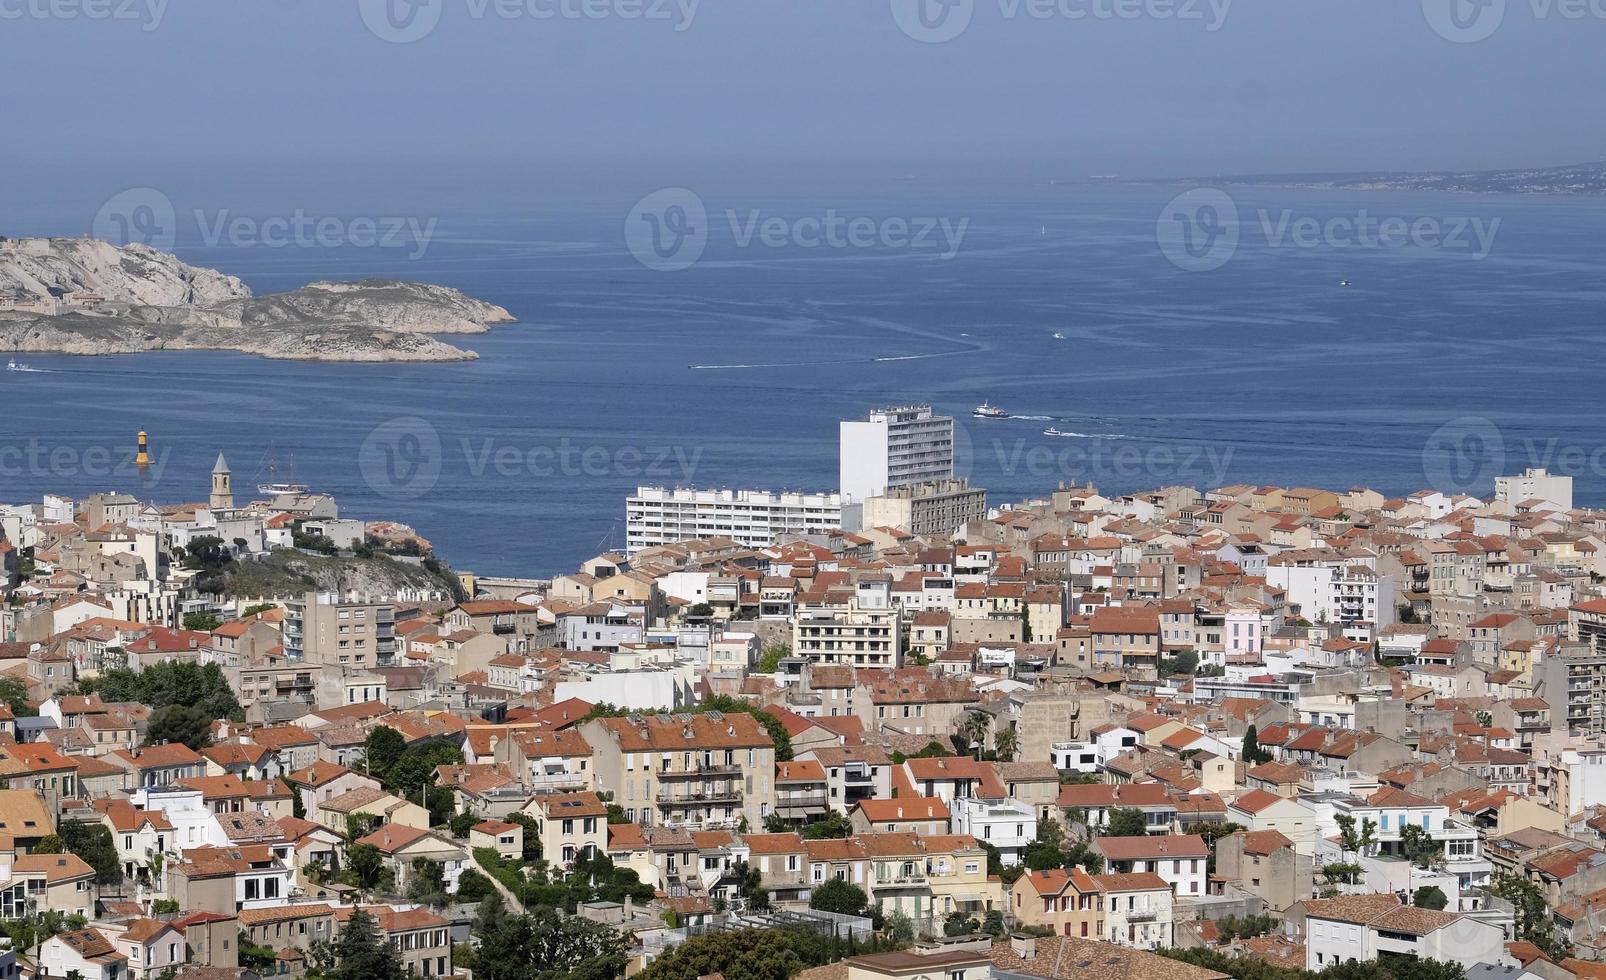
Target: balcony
[
  {"x": 915, "y": 879},
  {"x": 551, "y": 781},
  {"x": 701, "y": 770},
  {"x": 1141, "y": 915},
  {"x": 700, "y": 798}
]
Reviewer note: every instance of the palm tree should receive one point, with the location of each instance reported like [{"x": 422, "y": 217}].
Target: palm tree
[
  {"x": 974, "y": 730},
  {"x": 1006, "y": 744}
]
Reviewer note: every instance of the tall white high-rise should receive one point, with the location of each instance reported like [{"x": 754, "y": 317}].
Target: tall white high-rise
[{"x": 894, "y": 447}]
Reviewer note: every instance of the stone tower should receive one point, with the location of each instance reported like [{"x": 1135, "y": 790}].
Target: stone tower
[{"x": 222, "y": 489}]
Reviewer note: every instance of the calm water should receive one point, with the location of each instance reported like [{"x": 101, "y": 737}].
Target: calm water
[{"x": 1263, "y": 370}]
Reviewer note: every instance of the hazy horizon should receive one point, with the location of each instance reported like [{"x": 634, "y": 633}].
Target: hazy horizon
[{"x": 494, "y": 105}]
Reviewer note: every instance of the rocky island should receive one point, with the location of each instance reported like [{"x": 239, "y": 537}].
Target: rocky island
[{"x": 85, "y": 296}]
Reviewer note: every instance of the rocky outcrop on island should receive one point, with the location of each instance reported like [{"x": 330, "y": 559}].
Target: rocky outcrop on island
[{"x": 83, "y": 296}]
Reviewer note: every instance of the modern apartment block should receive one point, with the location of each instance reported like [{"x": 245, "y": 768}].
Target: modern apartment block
[
  {"x": 894, "y": 447},
  {"x": 866, "y": 634},
  {"x": 328, "y": 629},
  {"x": 1534, "y": 484},
  {"x": 1573, "y": 682},
  {"x": 751, "y": 518},
  {"x": 939, "y": 507}
]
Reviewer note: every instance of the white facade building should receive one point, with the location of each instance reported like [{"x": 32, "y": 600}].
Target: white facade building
[
  {"x": 1008, "y": 825},
  {"x": 894, "y": 447},
  {"x": 751, "y": 518},
  {"x": 1534, "y": 484}
]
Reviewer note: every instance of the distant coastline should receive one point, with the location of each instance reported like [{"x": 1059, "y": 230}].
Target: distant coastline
[{"x": 1581, "y": 180}]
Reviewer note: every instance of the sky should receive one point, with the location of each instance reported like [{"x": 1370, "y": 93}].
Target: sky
[{"x": 504, "y": 102}]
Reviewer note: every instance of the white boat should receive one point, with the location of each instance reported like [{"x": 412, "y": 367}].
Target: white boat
[
  {"x": 1058, "y": 335},
  {"x": 12, "y": 365},
  {"x": 986, "y": 411},
  {"x": 277, "y": 489},
  {"x": 1345, "y": 284},
  {"x": 1051, "y": 431}
]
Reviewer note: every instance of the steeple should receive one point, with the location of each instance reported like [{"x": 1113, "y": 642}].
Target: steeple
[{"x": 222, "y": 486}]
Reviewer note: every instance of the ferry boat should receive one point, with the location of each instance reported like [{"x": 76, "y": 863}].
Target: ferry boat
[{"x": 986, "y": 411}]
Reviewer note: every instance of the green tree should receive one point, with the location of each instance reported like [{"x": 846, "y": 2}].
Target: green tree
[
  {"x": 427, "y": 883},
  {"x": 364, "y": 863},
  {"x": 750, "y": 886},
  {"x": 548, "y": 945},
  {"x": 361, "y": 953},
  {"x": 1125, "y": 822},
  {"x": 839, "y": 896},
  {"x": 181, "y": 725},
  {"x": 50, "y": 844},
  {"x": 770, "y": 660},
  {"x": 1419, "y": 847},
  {"x": 833, "y": 826},
  {"x": 14, "y": 693},
  {"x": 1430, "y": 897},
  {"x": 1534, "y": 922},
  {"x": 1253, "y": 754},
  {"x": 169, "y": 683},
  {"x": 382, "y": 749},
  {"x": 93, "y": 842},
  {"x": 1006, "y": 744},
  {"x": 974, "y": 730},
  {"x": 474, "y": 887},
  {"x": 532, "y": 838},
  {"x": 202, "y": 622},
  {"x": 744, "y": 954}
]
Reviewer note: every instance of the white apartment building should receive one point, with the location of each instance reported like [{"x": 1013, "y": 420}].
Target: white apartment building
[
  {"x": 1008, "y": 825},
  {"x": 751, "y": 518},
  {"x": 894, "y": 447},
  {"x": 1534, "y": 483},
  {"x": 1339, "y": 590}
]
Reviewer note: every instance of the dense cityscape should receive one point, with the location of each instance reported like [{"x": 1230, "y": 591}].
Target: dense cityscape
[{"x": 893, "y": 730}]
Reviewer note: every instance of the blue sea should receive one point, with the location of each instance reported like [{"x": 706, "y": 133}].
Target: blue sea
[{"x": 1468, "y": 345}]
